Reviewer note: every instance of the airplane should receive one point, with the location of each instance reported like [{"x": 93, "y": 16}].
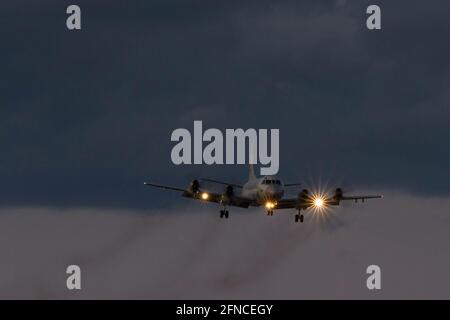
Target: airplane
[{"x": 265, "y": 191}]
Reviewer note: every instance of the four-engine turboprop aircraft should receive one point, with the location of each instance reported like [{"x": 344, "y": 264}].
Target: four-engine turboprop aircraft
[{"x": 266, "y": 191}]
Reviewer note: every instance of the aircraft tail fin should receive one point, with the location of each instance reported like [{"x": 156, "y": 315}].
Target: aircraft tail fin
[
  {"x": 251, "y": 173},
  {"x": 251, "y": 160}
]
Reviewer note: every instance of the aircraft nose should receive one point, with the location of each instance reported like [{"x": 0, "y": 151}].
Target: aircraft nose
[{"x": 272, "y": 191}]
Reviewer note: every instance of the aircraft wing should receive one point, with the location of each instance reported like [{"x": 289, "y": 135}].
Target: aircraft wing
[
  {"x": 292, "y": 203},
  {"x": 304, "y": 203},
  {"x": 222, "y": 182},
  {"x": 362, "y": 198},
  {"x": 206, "y": 196},
  {"x": 163, "y": 187}
]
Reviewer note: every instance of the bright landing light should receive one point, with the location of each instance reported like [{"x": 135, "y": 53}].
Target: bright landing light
[
  {"x": 270, "y": 205},
  {"x": 318, "y": 202},
  {"x": 205, "y": 196}
]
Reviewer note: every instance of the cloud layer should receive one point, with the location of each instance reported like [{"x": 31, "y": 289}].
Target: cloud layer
[{"x": 189, "y": 253}]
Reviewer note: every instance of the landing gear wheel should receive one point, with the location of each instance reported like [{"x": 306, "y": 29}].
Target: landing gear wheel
[
  {"x": 301, "y": 218},
  {"x": 297, "y": 217},
  {"x": 226, "y": 214},
  {"x": 270, "y": 213},
  {"x": 222, "y": 213}
]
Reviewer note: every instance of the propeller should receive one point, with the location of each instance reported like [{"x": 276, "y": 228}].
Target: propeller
[
  {"x": 304, "y": 194},
  {"x": 338, "y": 193},
  {"x": 195, "y": 186},
  {"x": 229, "y": 191}
]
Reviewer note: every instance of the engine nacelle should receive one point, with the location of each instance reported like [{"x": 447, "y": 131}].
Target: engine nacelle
[
  {"x": 229, "y": 191},
  {"x": 195, "y": 186},
  {"x": 338, "y": 194},
  {"x": 227, "y": 194},
  {"x": 304, "y": 195}
]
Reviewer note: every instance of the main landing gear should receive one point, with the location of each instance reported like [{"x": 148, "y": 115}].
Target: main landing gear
[
  {"x": 299, "y": 217},
  {"x": 224, "y": 214}
]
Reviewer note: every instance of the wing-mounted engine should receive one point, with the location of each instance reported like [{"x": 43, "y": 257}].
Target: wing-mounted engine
[
  {"x": 337, "y": 196},
  {"x": 227, "y": 195},
  {"x": 229, "y": 191},
  {"x": 304, "y": 197},
  {"x": 194, "y": 187}
]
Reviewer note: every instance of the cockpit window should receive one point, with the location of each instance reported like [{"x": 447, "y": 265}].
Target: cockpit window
[{"x": 278, "y": 182}]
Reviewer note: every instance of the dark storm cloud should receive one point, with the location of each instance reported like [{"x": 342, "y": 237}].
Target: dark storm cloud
[{"x": 86, "y": 116}]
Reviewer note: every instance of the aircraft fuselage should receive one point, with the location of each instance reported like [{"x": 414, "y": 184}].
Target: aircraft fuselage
[{"x": 267, "y": 188}]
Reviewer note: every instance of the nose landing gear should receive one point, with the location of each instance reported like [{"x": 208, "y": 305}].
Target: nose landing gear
[{"x": 270, "y": 212}]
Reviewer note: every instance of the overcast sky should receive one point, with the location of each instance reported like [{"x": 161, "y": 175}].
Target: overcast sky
[{"x": 86, "y": 117}]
